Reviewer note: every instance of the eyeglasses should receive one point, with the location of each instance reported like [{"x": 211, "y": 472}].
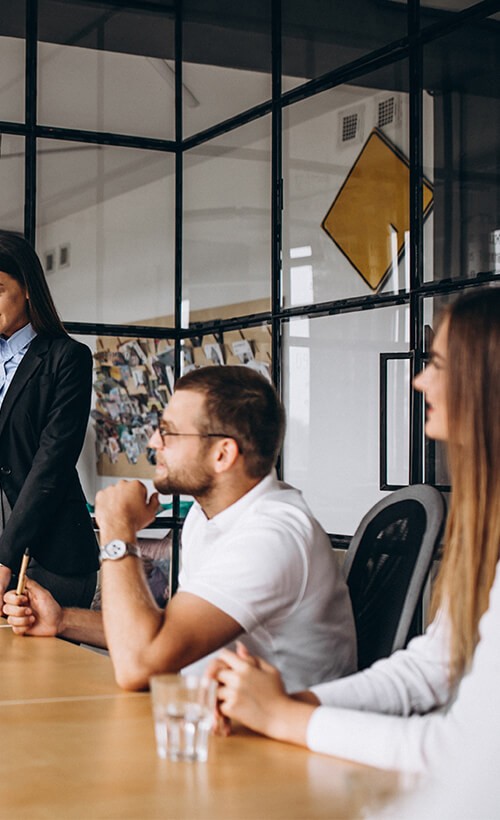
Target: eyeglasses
[{"x": 166, "y": 434}]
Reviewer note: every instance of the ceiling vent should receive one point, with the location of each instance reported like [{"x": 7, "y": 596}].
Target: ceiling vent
[
  {"x": 351, "y": 125},
  {"x": 49, "y": 262},
  {"x": 388, "y": 112}
]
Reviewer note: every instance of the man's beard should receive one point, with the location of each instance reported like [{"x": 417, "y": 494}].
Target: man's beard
[{"x": 199, "y": 483}]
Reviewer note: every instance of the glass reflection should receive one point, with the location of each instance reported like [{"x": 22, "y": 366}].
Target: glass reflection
[
  {"x": 106, "y": 69},
  {"x": 331, "y": 391},
  {"x": 12, "y": 60},
  {"x": 227, "y": 224},
  {"x": 435, "y": 464},
  {"x": 11, "y": 183},
  {"x": 227, "y": 61},
  {"x": 319, "y": 37},
  {"x": 462, "y": 74},
  {"x": 133, "y": 381},
  {"x": 111, "y": 211},
  {"x": 346, "y": 191}
]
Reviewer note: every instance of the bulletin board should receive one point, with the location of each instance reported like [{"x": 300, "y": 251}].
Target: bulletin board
[{"x": 134, "y": 379}]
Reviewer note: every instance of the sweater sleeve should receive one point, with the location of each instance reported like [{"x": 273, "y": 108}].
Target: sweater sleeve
[
  {"x": 412, "y": 680},
  {"x": 420, "y": 743}
]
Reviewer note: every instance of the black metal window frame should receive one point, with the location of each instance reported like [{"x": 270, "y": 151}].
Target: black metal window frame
[{"x": 410, "y": 48}]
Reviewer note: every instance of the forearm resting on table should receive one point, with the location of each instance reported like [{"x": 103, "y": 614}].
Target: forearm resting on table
[
  {"x": 293, "y": 722},
  {"x": 84, "y": 626},
  {"x": 290, "y": 720}
]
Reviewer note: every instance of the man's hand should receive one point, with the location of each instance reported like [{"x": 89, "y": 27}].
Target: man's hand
[
  {"x": 123, "y": 509},
  {"x": 33, "y": 613},
  {"x": 5, "y": 576}
]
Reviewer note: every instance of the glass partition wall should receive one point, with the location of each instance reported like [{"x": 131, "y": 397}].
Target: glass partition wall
[{"x": 297, "y": 187}]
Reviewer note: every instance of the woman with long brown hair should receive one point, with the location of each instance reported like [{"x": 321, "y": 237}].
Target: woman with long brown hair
[
  {"x": 45, "y": 386},
  {"x": 392, "y": 714}
]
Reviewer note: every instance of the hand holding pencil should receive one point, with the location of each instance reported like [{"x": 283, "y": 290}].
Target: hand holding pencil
[
  {"x": 21, "y": 578},
  {"x": 33, "y": 612}
]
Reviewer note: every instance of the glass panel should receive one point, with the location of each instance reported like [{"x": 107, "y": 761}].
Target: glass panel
[
  {"x": 11, "y": 183},
  {"x": 331, "y": 390},
  {"x": 226, "y": 60},
  {"x": 250, "y": 347},
  {"x": 398, "y": 421},
  {"x": 227, "y": 224},
  {"x": 462, "y": 73},
  {"x": 107, "y": 215},
  {"x": 12, "y": 60},
  {"x": 432, "y": 11},
  {"x": 102, "y": 68},
  {"x": 435, "y": 466},
  {"x": 133, "y": 380},
  {"x": 346, "y": 191},
  {"x": 319, "y": 37}
]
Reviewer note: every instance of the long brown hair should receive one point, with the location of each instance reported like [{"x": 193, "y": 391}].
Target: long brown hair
[
  {"x": 19, "y": 260},
  {"x": 472, "y": 539}
]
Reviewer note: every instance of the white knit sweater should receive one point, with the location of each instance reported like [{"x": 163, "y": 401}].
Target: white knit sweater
[{"x": 401, "y": 713}]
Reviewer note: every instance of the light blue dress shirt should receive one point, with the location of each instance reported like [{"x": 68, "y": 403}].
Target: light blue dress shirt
[{"x": 12, "y": 352}]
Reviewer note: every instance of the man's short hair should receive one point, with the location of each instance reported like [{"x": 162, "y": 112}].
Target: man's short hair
[{"x": 245, "y": 406}]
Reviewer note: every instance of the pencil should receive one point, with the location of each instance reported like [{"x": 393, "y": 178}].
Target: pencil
[{"x": 21, "y": 578}]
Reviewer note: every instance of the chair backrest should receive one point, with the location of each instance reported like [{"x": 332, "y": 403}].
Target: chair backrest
[{"x": 387, "y": 564}]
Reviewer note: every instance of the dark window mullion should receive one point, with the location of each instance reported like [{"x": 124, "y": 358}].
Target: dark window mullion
[
  {"x": 30, "y": 117},
  {"x": 416, "y": 234}
]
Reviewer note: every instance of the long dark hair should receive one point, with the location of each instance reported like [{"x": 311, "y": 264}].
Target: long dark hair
[{"x": 19, "y": 260}]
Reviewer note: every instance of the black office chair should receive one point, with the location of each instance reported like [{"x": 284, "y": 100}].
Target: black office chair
[{"x": 387, "y": 564}]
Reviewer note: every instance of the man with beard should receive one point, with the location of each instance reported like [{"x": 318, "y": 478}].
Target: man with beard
[{"x": 256, "y": 565}]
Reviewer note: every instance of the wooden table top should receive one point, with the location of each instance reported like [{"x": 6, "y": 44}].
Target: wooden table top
[{"x": 75, "y": 746}]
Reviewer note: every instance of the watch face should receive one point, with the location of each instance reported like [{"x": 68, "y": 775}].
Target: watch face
[{"x": 115, "y": 549}]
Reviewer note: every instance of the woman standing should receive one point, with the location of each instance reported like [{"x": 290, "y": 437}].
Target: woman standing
[
  {"x": 45, "y": 386},
  {"x": 392, "y": 714}
]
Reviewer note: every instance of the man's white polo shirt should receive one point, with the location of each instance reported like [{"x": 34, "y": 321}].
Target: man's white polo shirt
[{"x": 267, "y": 563}]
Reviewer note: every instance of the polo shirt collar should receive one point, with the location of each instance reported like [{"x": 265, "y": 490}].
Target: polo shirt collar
[{"x": 231, "y": 515}]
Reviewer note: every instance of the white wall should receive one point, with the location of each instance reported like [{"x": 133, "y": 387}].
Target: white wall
[
  {"x": 121, "y": 257},
  {"x": 331, "y": 377}
]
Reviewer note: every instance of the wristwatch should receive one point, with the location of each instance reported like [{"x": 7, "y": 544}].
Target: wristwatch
[{"x": 117, "y": 549}]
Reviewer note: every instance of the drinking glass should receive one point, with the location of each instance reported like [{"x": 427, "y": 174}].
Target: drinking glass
[{"x": 183, "y": 710}]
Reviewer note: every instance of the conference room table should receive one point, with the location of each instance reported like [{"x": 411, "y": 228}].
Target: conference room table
[{"x": 73, "y": 745}]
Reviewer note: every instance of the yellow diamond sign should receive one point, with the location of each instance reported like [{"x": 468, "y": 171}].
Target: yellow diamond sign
[{"x": 372, "y": 205}]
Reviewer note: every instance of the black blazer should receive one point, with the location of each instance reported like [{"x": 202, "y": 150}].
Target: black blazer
[{"x": 43, "y": 420}]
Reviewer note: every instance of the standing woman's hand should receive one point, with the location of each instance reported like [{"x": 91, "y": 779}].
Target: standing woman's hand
[{"x": 5, "y": 576}]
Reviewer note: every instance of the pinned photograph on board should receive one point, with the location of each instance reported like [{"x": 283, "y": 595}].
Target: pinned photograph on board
[
  {"x": 214, "y": 354},
  {"x": 133, "y": 353},
  {"x": 170, "y": 378},
  {"x": 243, "y": 350},
  {"x": 187, "y": 363},
  {"x": 260, "y": 367}
]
